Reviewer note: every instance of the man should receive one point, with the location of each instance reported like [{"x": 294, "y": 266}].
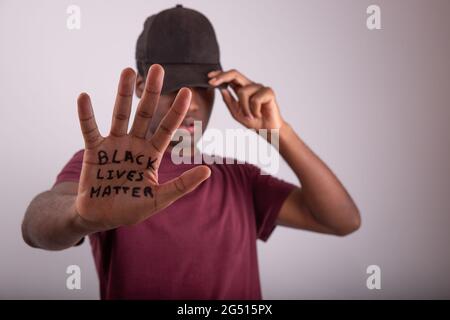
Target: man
[{"x": 164, "y": 231}]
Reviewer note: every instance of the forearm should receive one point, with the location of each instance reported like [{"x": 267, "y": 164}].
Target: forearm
[
  {"x": 322, "y": 196},
  {"x": 325, "y": 196},
  {"x": 51, "y": 222}
]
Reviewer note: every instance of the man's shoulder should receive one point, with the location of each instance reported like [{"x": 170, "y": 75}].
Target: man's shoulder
[
  {"x": 78, "y": 155},
  {"x": 76, "y": 159},
  {"x": 72, "y": 169}
]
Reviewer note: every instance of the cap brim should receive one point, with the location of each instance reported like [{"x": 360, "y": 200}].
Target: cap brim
[{"x": 177, "y": 76}]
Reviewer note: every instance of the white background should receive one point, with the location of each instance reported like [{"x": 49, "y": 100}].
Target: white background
[{"x": 374, "y": 105}]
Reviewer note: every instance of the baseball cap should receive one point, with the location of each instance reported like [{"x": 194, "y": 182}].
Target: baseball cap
[{"x": 183, "y": 41}]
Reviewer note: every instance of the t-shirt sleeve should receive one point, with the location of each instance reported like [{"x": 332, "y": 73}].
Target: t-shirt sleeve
[
  {"x": 72, "y": 170},
  {"x": 269, "y": 194}
]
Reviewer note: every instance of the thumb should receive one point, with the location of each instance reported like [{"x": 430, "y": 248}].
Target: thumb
[{"x": 180, "y": 186}]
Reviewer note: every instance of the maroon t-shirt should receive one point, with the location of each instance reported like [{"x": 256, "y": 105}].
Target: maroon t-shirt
[{"x": 203, "y": 246}]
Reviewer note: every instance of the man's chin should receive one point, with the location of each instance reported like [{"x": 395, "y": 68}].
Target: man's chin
[
  {"x": 186, "y": 141},
  {"x": 186, "y": 144},
  {"x": 184, "y": 138}
]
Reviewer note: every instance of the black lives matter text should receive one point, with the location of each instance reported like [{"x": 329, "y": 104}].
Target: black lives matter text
[{"x": 107, "y": 177}]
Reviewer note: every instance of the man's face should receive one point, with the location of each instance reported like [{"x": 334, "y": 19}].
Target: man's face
[{"x": 200, "y": 109}]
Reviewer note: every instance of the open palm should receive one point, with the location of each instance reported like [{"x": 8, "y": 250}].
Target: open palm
[{"x": 119, "y": 177}]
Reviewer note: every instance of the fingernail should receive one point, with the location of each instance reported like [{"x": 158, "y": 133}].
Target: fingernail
[{"x": 212, "y": 80}]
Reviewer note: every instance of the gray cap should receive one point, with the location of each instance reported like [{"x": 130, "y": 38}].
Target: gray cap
[{"x": 183, "y": 41}]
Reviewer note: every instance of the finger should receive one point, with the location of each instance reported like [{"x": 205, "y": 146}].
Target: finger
[
  {"x": 262, "y": 96},
  {"x": 230, "y": 102},
  {"x": 255, "y": 108},
  {"x": 232, "y": 76},
  {"x": 122, "y": 106},
  {"x": 91, "y": 135},
  {"x": 149, "y": 101},
  {"x": 180, "y": 186},
  {"x": 171, "y": 121},
  {"x": 244, "y": 95},
  {"x": 213, "y": 73}
]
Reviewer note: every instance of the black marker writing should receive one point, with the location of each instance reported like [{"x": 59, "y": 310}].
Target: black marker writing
[
  {"x": 106, "y": 191},
  {"x": 130, "y": 175},
  {"x": 117, "y": 174},
  {"x": 128, "y": 157}
]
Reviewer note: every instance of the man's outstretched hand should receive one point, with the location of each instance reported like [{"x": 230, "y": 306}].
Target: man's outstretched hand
[{"x": 119, "y": 177}]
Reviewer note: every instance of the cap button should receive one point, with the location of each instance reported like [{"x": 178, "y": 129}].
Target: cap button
[{"x": 179, "y": 6}]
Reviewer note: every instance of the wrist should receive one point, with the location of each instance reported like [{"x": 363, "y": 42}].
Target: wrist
[
  {"x": 285, "y": 132},
  {"x": 79, "y": 225},
  {"x": 284, "y": 127}
]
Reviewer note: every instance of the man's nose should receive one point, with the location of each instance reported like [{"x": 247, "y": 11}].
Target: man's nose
[{"x": 193, "y": 106}]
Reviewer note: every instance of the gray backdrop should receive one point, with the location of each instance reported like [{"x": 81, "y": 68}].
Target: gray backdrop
[{"x": 374, "y": 105}]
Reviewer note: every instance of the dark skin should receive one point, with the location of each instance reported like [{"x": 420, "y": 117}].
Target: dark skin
[
  {"x": 61, "y": 217},
  {"x": 202, "y": 102},
  {"x": 322, "y": 204}
]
